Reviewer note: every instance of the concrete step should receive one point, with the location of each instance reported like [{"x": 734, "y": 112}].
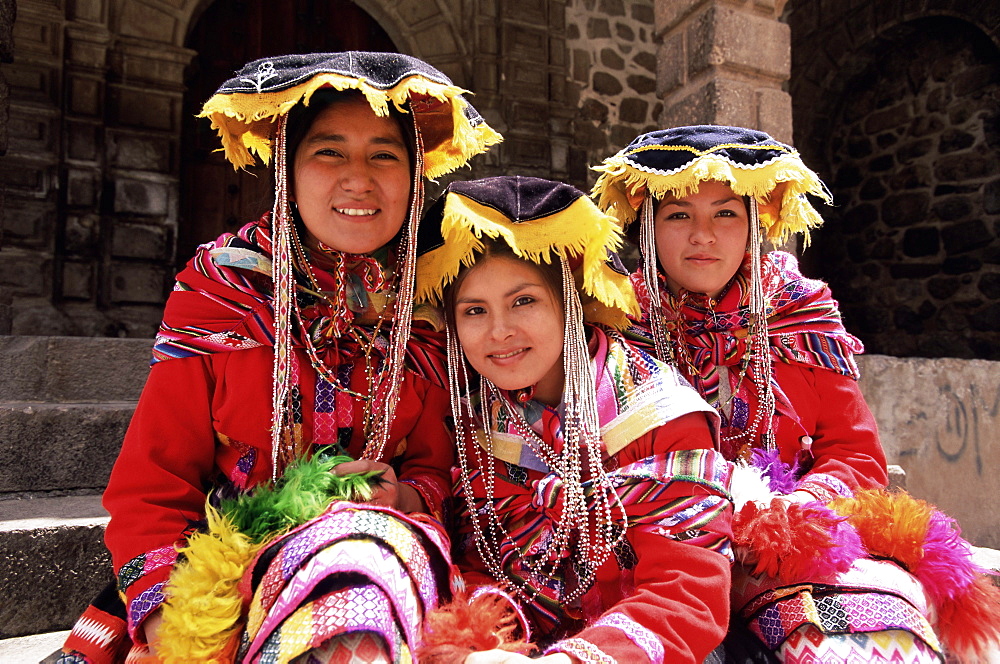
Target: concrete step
[
  {"x": 57, "y": 369},
  {"x": 52, "y": 562},
  {"x": 49, "y": 447},
  {"x": 33, "y": 649}
]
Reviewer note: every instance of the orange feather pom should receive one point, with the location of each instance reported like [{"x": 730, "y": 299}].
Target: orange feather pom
[
  {"x": 891, "y": 525},
  {"x": 453, "y": 631}
]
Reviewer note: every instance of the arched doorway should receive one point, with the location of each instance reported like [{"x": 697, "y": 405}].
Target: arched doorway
[{"x": 214, "y": 197}]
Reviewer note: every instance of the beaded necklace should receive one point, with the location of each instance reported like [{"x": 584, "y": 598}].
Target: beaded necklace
[{"x": 572, "y": 531}]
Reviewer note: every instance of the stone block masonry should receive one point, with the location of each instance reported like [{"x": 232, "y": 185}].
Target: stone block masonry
[
  {"x": 896, "y": 107},
  {"x": 938, "y": 419},
  {"x": 724, "y": 62},
  {"x": 612, "y": 79}
]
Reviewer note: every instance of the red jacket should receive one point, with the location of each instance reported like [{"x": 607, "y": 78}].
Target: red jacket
[{"x": 204, "y": 422}]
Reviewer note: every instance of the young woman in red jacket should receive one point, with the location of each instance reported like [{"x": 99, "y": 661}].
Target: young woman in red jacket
[
  {"x": 291, "y": 338},
  {"x": 823, "y": 575},
  {"x": 590, "y": 493}
]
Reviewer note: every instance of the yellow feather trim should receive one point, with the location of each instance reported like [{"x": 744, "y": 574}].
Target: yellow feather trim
[
  {"x": 203, "y": 606},
  {"x": 578, "y": 230},
  {"x": 246, "y": 121},
  {"x": 778, "y": 186}
]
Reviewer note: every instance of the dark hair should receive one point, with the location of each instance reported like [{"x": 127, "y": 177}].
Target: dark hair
[{"x": 495, "y": 248}]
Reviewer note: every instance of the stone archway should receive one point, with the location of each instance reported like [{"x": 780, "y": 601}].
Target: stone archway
[
  {"x": 95, "y": 162},
  {"x": 214, "y": 197},
  {"x": 901, "y": 120}
]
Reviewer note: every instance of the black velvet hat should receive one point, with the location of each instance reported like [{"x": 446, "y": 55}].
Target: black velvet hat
[
  {"x": 245, "y": 108},
  {"x": 541, "y": 221},
  {"x": 674, "y": 161}
]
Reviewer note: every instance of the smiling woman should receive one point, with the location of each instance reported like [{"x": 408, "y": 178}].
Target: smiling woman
[
  {"x": 825, "y": 572},
  {"x": 290, "y": 355},
  {"x": 513, "y": 335},
  {"x": 701, "y": 239},
  {"x": 591, "y": 500},
  {"x": 351, "y": 176}
]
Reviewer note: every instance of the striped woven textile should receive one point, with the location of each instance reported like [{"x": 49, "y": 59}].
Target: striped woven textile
[{"x": 223, "y": 302}]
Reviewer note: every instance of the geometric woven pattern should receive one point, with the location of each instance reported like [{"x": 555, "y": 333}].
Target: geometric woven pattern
[{"x": 808, "y": 645}]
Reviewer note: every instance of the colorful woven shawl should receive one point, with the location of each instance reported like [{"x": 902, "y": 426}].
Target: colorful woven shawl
[
  {"x": 223, "y": 301},
  {"x": 635, "y": 394},
  {"x": 804, "y": 327}
]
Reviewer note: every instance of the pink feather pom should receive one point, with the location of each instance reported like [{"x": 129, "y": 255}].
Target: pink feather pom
[{"x": 795, "y": 542}]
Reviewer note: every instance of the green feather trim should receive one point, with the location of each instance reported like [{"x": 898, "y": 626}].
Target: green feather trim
[{"x": 302, "y": 493}]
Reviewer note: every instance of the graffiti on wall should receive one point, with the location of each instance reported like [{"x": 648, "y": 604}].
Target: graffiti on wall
[{"x": 970, "y": 422}]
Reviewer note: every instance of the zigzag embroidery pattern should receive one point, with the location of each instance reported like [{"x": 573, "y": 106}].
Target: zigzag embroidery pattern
[{"x": 93, "y": 631}]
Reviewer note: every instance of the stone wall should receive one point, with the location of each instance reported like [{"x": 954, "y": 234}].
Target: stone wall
[
  {"x": 613, "y": 79},
  {"x": 8, "y": 10},
  {"x": 724, "y": 62},
  {"x": 94, "y": 168},
  {"x": 938, "y": 419},
  {"x": 900, "y": 116}
]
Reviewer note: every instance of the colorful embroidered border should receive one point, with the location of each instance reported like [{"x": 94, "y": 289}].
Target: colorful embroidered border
[
  {"x": 639, "y": 635},
  {"x": 585, "y": 651}
]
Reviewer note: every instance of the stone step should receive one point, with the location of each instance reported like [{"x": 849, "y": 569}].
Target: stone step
[
  {"x": 60, "y": 369},
  {"x": 31, "y": 649},
  {"x": 52, "y": 562},
  {"x": 60, "y": 446}
]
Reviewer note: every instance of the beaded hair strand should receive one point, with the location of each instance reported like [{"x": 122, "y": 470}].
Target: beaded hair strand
[
  {"x": 647, "y": 249},
  {"x": 760, "y": 356},
  {"x": 380, "y": 423},
  {"x": 283, "y": 443}
]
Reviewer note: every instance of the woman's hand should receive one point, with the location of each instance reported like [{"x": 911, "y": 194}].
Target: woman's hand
[
  {"x": 150, "y": 626},
  {"x": 387, "y": 491},
  {"x": 505, "y": 657}
]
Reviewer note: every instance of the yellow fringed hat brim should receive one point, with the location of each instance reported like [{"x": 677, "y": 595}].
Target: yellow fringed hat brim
[
  {"x": 779, "y": 184},
  {"x": 579, "y": 230},
  {"x": 246, "y": 121}
]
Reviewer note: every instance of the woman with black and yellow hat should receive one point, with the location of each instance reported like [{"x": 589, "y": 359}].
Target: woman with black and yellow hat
[
  {"x": 834, "y": 568},
  {"x": 295, "y": 332},
  {"x": 590, "y": 493}
]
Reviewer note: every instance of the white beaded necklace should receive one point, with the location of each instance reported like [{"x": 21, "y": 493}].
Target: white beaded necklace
[{"x": 581, "y": 431}]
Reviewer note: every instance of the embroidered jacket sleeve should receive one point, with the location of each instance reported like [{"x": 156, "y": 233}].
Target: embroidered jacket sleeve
[
  {"x": 207, "y": 418},
  {"x": 830, "y": 409},
  {"x": 679, "y": 609}
]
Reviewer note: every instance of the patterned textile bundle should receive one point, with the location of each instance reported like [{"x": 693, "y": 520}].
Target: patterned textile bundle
[
  {"x": 819, "y": 548},
  {"x": 271, "y": 549}
]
